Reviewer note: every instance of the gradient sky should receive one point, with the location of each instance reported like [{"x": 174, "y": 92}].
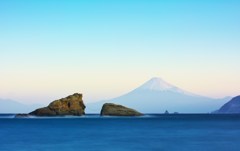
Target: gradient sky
[{"x": 104, "y": 48}]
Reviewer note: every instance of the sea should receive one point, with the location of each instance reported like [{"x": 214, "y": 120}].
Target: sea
[{"x": 152, "y": 132}]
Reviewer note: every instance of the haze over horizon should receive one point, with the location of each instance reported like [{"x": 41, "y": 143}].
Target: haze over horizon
[{"x": 104, "y": 49}]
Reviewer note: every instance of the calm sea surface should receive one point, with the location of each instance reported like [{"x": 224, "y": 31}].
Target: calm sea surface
[{"x": 148, "y": 133}]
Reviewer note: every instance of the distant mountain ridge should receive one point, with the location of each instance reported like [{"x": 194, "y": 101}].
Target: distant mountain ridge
[
  {"x": 157, "y": 96},
  {"x": 11, "y": 106},
  {"x": 231, "y": 107}
]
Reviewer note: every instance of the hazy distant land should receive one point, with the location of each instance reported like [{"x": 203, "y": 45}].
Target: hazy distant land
[{"x": 154, "y": 96}]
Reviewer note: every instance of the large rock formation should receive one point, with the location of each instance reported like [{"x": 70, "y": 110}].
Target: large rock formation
[
  {"x": 118, "y": 110},
  {"x": 71, "y": 105},
  {"x": 231, "y": 107}
]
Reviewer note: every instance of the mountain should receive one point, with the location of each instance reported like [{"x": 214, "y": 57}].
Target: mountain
[
  {"x": 231, "y": 107},
  {"x": 157, "y": 96},
  {"x": 10, "y": 106}
]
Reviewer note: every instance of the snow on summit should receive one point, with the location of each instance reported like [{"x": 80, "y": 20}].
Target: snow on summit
[{"x": 158, "y": 84}]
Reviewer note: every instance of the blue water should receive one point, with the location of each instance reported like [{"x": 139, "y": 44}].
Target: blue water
[{"x": 148, "y": 133}]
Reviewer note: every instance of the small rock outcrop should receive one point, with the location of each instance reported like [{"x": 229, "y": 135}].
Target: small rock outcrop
[
  {"x": 21, "y": 115},
  {"x": 166, "y": 112},
  {"x": 111, "y": 109},
  {"x": 231, "y": 107},
  {"x": 71, "y": 105}
]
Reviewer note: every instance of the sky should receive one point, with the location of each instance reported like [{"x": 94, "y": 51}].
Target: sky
[{"x": 104, "y": 48}]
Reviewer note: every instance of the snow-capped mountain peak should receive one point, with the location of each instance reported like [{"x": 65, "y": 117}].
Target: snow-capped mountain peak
[
  {"x": 158, "y": 84},
  {"x": 157, "y": 96}
]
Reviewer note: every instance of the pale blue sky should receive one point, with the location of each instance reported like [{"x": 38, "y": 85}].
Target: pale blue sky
[{"x": 104, "y": 48}]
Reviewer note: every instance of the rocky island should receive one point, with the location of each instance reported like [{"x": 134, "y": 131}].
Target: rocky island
[
  {"x": 71, "y": 105},
  {"x": 111, "y": 109}
]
